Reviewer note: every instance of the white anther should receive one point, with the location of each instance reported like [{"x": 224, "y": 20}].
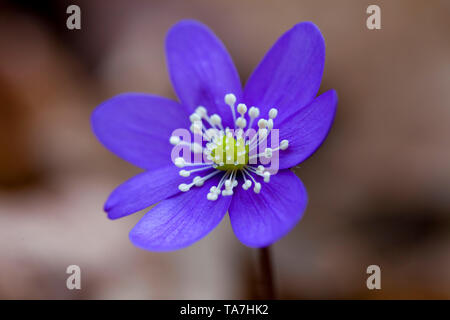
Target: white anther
[
  {"x": 196, "y": 148},
  {"x": 257, "y": 187},
  {"x": 196, "y": 127},
  {"x": 184, "y": 173},
  {"x": 228, "y": 184},
  {"x": 242, "y": 108},
  {"x": 174, "y": 140},
  {"x": 260, "y": 168},
  {"x": 247, "y": 184},
  {"x": 201, "y": 111},
  {"x": 212, "y": 196},
  {"x": 230, "y": 99},
  {"x": 212, "y": 132},
  {"x": 273, "y": 113},
  {"x": 184, "y": 187},
  {"x": 195, "y": 117},
  {"x": 215, "y": 119},
  {"x": 179, "y": 162},
  {"x": 241, "y": 122},
  {"x": 284, "y": 144},
  {"x": 253, "y": 112},
  {"x": 198, "y": 181},
  {"x": 268, "y": 153},
  {"x": 262, "y": 123},
  {"x": 270, "y": 124},
  {"x": 227, "y": 192},
  {"x": 266, "y": 176}
]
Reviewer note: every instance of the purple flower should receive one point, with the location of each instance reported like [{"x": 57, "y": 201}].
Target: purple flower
[{"x": 263, "y": 204}]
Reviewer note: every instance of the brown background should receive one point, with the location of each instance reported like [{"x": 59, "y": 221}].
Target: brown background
[{"x": 379, "y": 188}]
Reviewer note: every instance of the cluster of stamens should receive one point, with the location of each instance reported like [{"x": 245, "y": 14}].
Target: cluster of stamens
[{"x": 233, "y": 152}]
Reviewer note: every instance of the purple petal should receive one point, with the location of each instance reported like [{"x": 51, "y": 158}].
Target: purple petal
[
  {"x": 307, "y": 129},
  {"x": 137, "y": 127},
  {"x": 201, "y": 69},
  {"x": 179, "y": 221},
  {"x": 289, "y": 75},
  {"x": 258, "y": 220},
  {"x": 143, "y": 190}
]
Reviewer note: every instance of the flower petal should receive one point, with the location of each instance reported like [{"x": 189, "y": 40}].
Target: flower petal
[
  {"x": 307, "y": 129},
  {"x": 137, "y": 127},
  {"x": 201, "y": 69},
  {"x": 180, "y": 221},
  {"x": 142, "y": 191},
  {"x": 289, "y": 75},
  {"x": 258, "y": 220}
]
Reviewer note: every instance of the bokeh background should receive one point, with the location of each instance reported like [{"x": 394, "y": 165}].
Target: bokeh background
[{"x": 379, "y": 187}]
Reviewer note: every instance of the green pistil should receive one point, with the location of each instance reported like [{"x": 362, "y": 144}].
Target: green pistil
[{"x": 233, "y": 158}]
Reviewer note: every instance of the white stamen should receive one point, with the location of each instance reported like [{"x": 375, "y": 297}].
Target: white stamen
[
  {"x": 242, "y": 108},
  {"x": 198, "y": 181},
  {"x": 230, "y": 99},
  {"x": 184, "y": 187},
  {"x": 266, "y": 176},
  {"x": 195, "y": 117},
  {"x": 241, "y": 122},
  {"x": 213, "y": 133},
  {"x": 227, "y": 192},
  {"x": 174, "y": 140},
  {"x": 253, "y": 112},
  {"x": 184, "y": 173},
  {"x": 187, "y": 173},
  {"x": 257, "y": 187},
  {"x": 273, "y": 113},
  {"x": 284, "y": 144},
  {"x": 201, "y": 111},
  {"x": 212, "y": 196},
  {"x": 216, "y": 119},
  {"x": 262, "y": 123},
  {"x": 179, "y": 162},
  {"x": 196, "y": 127}
]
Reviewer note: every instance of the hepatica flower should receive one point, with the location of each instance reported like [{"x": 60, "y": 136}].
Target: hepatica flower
[{"x": 234, "y": 125}]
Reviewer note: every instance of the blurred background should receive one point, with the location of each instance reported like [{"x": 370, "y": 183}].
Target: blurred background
[{"x": 379, "y": 188}]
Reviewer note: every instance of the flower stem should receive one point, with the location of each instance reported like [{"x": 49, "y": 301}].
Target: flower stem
[{"x": 266, "y": 278}]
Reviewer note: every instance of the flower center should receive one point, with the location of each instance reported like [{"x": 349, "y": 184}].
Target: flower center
[
  {"x": 235, "y": 152},
  {"x": 230, "y": 153}
]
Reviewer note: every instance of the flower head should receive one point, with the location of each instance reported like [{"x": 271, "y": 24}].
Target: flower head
[{"x": 223, "y": 133}]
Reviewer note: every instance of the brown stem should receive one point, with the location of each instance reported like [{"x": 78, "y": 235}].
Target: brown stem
[{"x": 266, "y": 278}]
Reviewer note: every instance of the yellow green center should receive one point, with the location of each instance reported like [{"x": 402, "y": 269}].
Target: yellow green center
[{"x": 231, "y": 154}]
